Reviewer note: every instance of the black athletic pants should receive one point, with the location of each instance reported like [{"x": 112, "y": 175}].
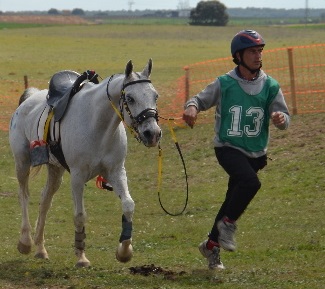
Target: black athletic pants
[{"x": 243, "y": 183}]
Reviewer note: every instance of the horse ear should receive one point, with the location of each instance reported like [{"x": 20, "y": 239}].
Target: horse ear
[
  {"x": 128, "y": 68},
  {"x": 147, "y": 70}
]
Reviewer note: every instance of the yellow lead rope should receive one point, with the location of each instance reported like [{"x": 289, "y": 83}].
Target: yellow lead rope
[{"x": 131, "y": 129}]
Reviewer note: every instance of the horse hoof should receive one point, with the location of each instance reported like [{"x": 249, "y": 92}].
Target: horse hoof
[
  {"x": 83, "y": 264},
  {"x": 124, "y": 252},
  {"x": 41, "y": 255},
  {"x": 24, "y": 249}
]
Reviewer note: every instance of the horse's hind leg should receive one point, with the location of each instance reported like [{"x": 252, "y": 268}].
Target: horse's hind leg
[
  {"x": 53, "y": 183},
  {"x": 80, "y": 216},
  {"x": 25, "y": 241}
]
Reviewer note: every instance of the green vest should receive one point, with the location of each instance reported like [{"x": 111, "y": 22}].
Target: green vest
[{"x": 245, "y": 118}]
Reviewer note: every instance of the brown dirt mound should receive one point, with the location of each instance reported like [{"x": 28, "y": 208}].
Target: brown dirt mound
[
  {"x": 146, "y": 270},
  {"x": 44, "y": 19}
]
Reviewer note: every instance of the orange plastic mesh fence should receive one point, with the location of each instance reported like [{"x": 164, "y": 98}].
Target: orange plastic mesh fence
[
  {"x": 10, "y": 92},
  {"x": 300, "y": 70}
]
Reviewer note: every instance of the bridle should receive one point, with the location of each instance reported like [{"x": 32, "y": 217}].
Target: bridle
[
  {"x": 143, "y": 115},
  {"x": 123, "y": 105}
]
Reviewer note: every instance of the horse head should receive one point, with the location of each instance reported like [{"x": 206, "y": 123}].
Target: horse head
[{"x": 139, "y": 99}]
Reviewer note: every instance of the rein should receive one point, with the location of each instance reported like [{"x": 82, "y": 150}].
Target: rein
[{"x": 160, "y": 170}]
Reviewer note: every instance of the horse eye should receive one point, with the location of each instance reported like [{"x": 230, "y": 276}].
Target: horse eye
[
  {"x": 129, "y": 99},
  {"x": 157, "y": 95}
]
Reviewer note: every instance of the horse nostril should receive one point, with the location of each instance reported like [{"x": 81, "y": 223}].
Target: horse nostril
[{"x": 147, "y": 134}]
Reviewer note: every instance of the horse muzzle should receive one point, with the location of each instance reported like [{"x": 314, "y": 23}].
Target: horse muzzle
[{"x": 149, "y": 132}]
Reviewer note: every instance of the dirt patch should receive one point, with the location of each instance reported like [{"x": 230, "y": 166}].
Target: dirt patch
[
  {"x": 147, "y": 270},
  {"x": 44, "y": 19}
]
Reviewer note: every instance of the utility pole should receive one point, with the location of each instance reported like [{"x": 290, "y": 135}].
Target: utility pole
[
  {"x": 183, "y": 5},
  {"x": 130, "y": 4},
  {"x": 306, "y": 13}
]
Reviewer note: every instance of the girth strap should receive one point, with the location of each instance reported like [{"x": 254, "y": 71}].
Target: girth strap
[{"x": 56, "y": 150}]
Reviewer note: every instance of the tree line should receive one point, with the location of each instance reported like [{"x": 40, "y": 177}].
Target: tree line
[{"x": 208, "y": 13}]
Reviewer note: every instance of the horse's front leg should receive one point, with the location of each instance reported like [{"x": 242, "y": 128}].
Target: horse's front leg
[
  {"x": 79, "y": 220},
  {"x": 124, "y": 250}
]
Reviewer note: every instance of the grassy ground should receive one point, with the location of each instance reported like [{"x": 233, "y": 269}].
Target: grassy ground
[
  {"x": 280, "y": 237},
  {"x": 40, "y": 52},
  {"x": 107, "y": 48}
]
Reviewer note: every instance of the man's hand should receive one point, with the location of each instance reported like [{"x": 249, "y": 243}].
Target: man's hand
[
  {"x": 278, "y": 118},
  {"x": 190, "y": 115}
]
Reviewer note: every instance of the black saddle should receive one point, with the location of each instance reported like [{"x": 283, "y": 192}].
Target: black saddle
[{"x": 63, "y": 86}]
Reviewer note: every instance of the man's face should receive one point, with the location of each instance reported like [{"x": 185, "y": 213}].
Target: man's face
[{"x": 252, "y": 56}]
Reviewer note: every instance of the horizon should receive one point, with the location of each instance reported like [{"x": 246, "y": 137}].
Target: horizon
[
  {"x": 142, "y": 5},
  {"x": 148, "y": 9}
]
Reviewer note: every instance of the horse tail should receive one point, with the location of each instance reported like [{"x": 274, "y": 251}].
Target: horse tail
[
  {"x": 34, "y": 171},
  {"x": 27, "y": 93}
]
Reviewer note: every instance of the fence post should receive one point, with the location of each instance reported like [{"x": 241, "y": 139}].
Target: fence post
[
  {"x": 187, "y": 82},
  {"x": 26, "y": 81},
  {"x": 292, "y": 80}
]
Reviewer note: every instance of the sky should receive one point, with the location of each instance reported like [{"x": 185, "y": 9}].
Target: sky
[{"x": 103, "y": 5}]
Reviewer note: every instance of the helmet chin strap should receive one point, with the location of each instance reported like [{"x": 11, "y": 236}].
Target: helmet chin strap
[
  {"x": 242, "y": 63},
  {"x": 252, "y": 71}
]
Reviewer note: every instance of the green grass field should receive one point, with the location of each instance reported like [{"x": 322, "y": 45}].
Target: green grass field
[{"x": 280, "y": 237}]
